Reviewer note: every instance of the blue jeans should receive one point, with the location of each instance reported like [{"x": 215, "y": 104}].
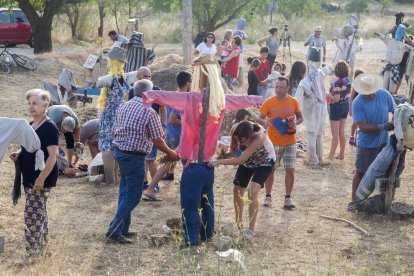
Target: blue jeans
[
  {"x": 196, "y": 192},
  {"x": 380, "y": 168},
  {"x": 132, "y": 170}
]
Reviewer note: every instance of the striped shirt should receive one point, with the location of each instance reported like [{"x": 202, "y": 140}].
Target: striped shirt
[{"x": 136, "y": 126}]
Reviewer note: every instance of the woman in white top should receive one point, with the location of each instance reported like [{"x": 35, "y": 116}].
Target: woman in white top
[{"x": 207, "y": 47}]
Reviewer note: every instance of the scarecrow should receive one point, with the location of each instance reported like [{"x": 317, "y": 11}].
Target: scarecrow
[
  {"x": 65, "y": 90},
  {"x": 137, "y": 55}
]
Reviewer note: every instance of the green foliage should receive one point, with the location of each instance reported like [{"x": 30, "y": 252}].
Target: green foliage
[
  {"x": 298, "y": 8},
  {"x": 356, "y": 6},
  {"x": 385, "y": 4}
]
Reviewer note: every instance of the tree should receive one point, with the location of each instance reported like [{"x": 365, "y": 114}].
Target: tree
[
  {"x": 356, "y": 6},
  {"x": 41, "y": 22},
  {"x": 209, "y": 15},
  {"x": 187, "y": 25},
  {"x": 298, "y": 8},
  {"x": 72, "y": 11},
  {"x": 385, "y": 4}
]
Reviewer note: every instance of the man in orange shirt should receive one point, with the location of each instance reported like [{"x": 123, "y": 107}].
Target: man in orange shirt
[{"x": 280, "y": 114}]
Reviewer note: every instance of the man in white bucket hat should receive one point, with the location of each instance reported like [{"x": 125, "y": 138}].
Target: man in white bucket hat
[
  {"x": 317, "y": 44},
  {"x": 370, "y": 111}
]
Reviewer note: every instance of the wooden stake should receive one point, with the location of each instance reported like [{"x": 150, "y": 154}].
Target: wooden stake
[
  {"x": 206, "y": 103},
  {"x": 347, "y": 221}
]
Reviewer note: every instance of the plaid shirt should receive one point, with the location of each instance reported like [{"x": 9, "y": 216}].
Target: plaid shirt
[{"x": 136, "y": 126}]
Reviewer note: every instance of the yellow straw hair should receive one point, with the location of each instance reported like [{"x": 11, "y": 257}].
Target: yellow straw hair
[{"x": 115, "y": 68}]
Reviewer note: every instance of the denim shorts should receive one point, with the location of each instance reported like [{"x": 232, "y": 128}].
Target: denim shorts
[
  {"x": 364, "y": 158},
  {"x": 152, "y": 155},
  {"x": 339, "y": 110},
  {"x": 172, "y": 141}
]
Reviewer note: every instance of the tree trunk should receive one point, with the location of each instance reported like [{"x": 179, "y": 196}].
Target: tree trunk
[
  {"x": 42, "y": 33},
  {"x": 42, "y": 26},
  {"x": 101, "y": 9},
  {"x": 187, "y": 29}
]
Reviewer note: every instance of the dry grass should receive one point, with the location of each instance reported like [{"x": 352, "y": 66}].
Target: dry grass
[{"x": 287, "y": 243}]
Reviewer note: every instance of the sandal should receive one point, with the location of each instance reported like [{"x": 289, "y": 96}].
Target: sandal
[
  {"x": 151, "y": 198},
  {"x": 249, "y": 234}
]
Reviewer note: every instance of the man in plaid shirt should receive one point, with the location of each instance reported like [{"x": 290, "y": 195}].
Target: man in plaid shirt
[{"x": 135, "y": 130}]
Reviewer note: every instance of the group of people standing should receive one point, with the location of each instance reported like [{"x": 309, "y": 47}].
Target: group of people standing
[{"x": 129, "y": 132}]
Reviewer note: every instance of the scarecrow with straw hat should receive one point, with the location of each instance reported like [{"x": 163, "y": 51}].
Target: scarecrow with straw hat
[{"x": 317, "y": 44}]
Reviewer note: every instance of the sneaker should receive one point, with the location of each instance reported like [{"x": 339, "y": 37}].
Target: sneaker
[
  {"x": 157, "y": 188},
  {"x": 146, "y": 185},
  {"x": 249, "y": 234},
  {"x": 288, "y": 205},
  {"x": 168, "y": 176},
  {"x": 267, "y": 202}
]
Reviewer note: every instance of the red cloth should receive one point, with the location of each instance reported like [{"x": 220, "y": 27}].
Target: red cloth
[
  {"x": 190, "y": 106},
  {"x": 231, "y": 67},
  {"x": 263, "y": 70}
]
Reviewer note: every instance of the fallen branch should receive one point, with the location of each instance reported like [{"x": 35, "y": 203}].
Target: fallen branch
[{"x": 347, "y": 221}]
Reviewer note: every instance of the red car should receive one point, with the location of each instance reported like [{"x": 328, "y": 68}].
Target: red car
[{"x": 15, "y": 28}]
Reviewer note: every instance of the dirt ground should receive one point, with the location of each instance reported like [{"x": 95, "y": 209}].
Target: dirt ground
[{"x": 295, "y": 242}]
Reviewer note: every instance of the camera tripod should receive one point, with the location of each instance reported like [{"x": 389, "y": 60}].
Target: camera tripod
[{"x": 285, "y": 43}]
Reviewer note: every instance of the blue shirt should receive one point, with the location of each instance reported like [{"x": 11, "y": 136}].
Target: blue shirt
[
  {"x": 173, "y": 130},
  {"x": 374, "y": 112},
  {"x": 399, "y": 33},
  {"x": 121, "y": 38}
]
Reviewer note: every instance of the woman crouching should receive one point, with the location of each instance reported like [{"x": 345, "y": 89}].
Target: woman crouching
[
  {"x": 255, "y": 165},
  {"x": 37, "y": 184}
]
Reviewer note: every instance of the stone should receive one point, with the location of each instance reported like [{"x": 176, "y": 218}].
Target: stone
[
  {"x": 230, "y": 229},
  {"x": 401, "y": 211},
  {"x": 158, "y": 239},
  {"x": 223, "y": 243}
]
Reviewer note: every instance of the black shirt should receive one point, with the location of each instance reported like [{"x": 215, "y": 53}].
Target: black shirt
[
  {"x": 154, "y": 106},
  {"x": 253, "y": 82},
  {"x": 49, "y": 136}
]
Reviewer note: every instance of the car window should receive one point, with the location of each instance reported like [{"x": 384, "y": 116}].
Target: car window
[
  {"x": 18, "y": 17},
  {"x": 4, "y": 17}
]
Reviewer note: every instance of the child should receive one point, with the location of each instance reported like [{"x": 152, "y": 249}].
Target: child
[
  {"x": 253, "y": 79},
  {"x": 339, "y": 108},
  {"x": 223, "y": 49},
  {"x": 352, "y": 139}
]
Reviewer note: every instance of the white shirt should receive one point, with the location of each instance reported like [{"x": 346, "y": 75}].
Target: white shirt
[{"x": 203, "y": 49}]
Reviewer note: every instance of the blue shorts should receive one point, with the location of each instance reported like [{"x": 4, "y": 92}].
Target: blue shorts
[
  {"x": 152, "y": 155},
  {"x": 172, "y": 141},
  {"x": 339, "y": 110}
]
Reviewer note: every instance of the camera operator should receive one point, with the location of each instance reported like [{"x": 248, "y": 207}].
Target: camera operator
[
  {"x": 316, "y": 44},
  {"x": 272, "y": 41}
]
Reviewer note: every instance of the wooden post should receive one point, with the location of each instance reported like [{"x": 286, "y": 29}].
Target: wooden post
[
  {"x": 1, "y": 244},
  {"x": 187, "y": 30},
  {"x": 389, "y": 193},
  {"x": 204, "y": 118}
]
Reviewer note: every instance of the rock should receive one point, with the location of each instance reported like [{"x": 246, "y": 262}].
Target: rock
[
  {"x": 230, "y": 229},
  {"x": 401, "y": 211},
  {"x": 158, "y": 239},
  {"x": 223, "y": 243}
]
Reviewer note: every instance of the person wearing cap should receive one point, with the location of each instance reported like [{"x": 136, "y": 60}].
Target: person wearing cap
[
  {"x": 68, "y": 123},
  {"x": 317, "y": 44},
  {"x": 271, "y": 41},
  {"x": 117, "y": 37},
  {"x": 370, "y": 111}
]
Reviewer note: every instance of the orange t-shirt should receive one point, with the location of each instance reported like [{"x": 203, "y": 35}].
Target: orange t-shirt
[{"x": 273, "y": 108}]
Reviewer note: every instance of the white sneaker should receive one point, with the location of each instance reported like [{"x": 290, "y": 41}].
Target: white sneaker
[
  {"x": 289, "y": 204},
  {"x": 267, "y": 202}
]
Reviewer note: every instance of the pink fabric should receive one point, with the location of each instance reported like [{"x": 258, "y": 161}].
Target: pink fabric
[{"x": 190, "y": 106}]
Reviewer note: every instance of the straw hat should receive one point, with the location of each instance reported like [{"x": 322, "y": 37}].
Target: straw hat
[{"x": 367, "y": 84}]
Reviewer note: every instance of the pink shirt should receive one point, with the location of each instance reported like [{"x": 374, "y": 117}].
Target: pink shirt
[{"x": 189, "y": 104}]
